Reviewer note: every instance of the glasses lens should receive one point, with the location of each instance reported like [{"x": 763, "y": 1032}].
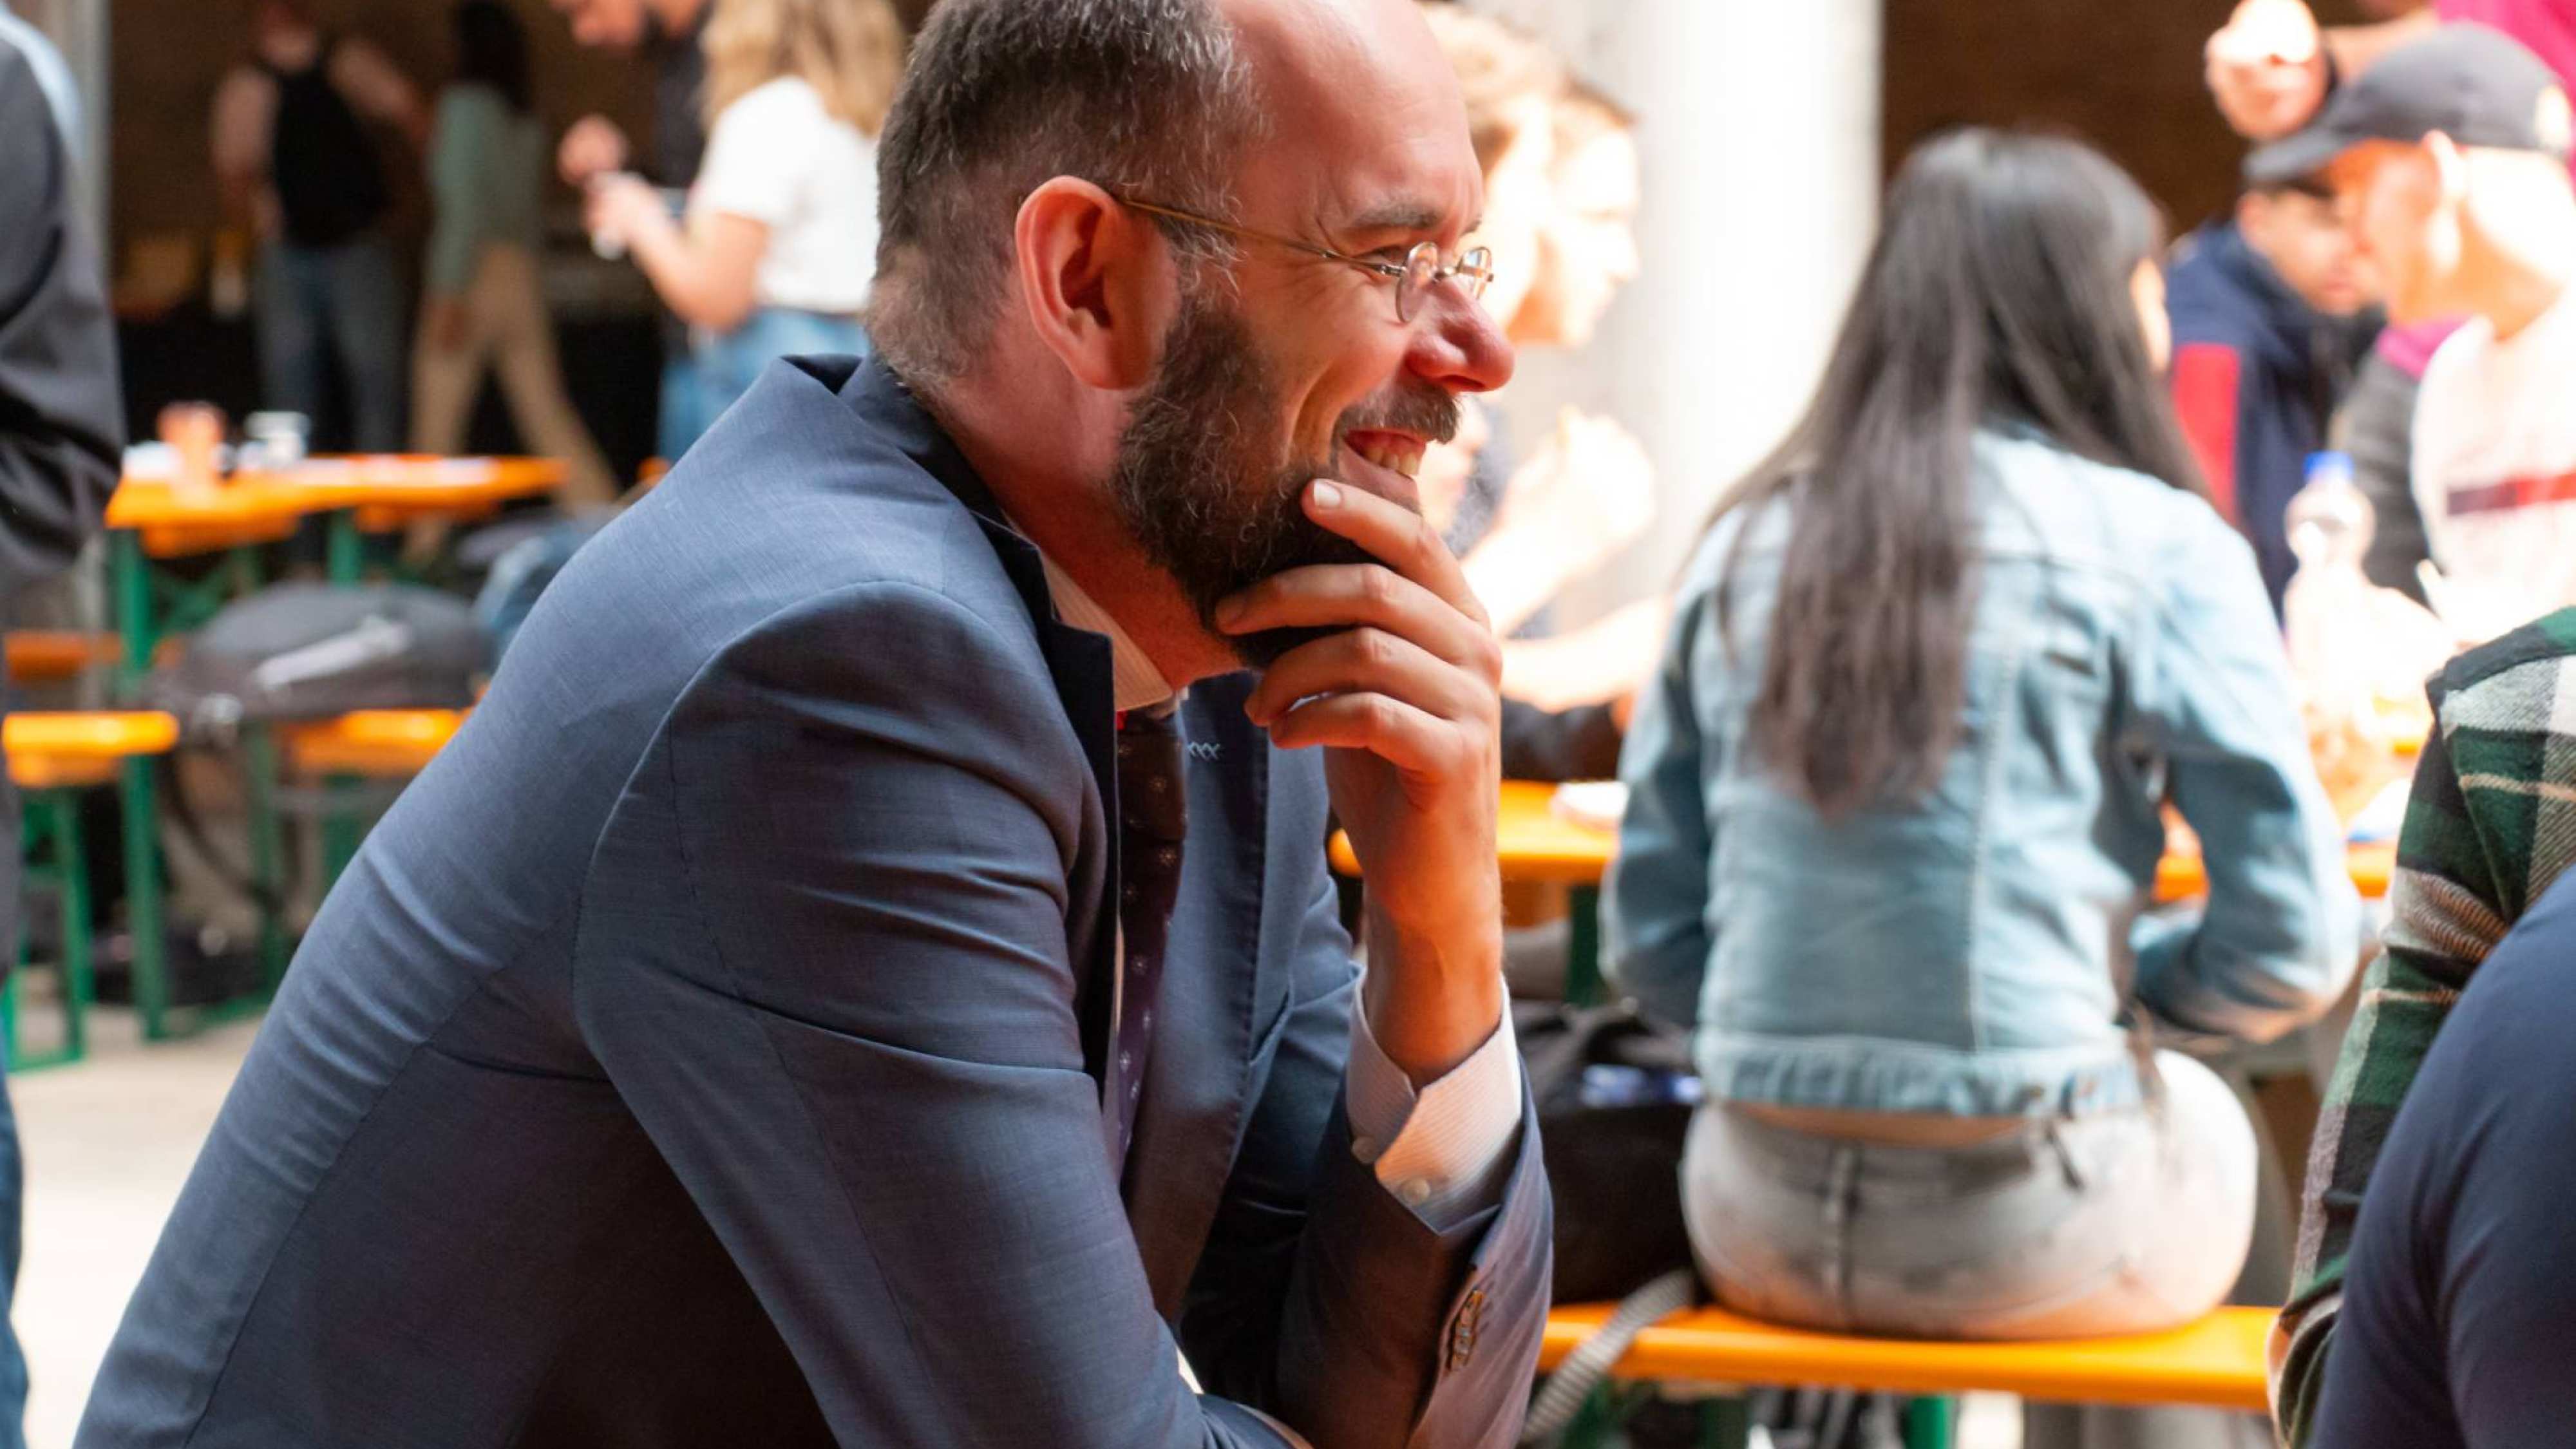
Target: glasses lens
[
  {"x": 1421, "y": 269},
  {"x": 1476, "y": 272}
]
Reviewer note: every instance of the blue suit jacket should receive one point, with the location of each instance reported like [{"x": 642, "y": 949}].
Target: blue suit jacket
[{"x": 706, "y": 1049}]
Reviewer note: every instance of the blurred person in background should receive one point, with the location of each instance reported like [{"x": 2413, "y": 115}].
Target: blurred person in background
[
  {"x": 295, "y": 161},
  {"x": 665, "y": 35},
  {"x": 61, "y": 439},
  {"x": 1896, "y": 805},
  {"x": 2490, "y": 826},
  {"x": 2449, "y": 161},
  {"x": 486, "y": 306},
  {"x": 2270, "y": 68},
  {"x": 2270, "y": 316},
  {"x": 1560, "y": 165},
  {"x": 778, "y": 247}
]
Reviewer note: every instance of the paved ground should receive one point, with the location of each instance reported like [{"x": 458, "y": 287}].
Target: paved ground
[{"x": 108, "y": 1142}]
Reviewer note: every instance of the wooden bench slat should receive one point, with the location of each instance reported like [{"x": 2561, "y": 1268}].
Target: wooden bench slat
[
  {"x": 95, "y": 734},
  {"x": 53, "y": 654},
  {"x": 373, "y": 742},
  {"x": 2217, "y": 1362}
]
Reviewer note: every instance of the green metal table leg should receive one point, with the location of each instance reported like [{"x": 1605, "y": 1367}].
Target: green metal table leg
[
  {"x": 132, "y": 580},
  {"x": 80, "y": 980},
  {"x": 346, "y": 557},
  {"x": 1725, "y": 1423},
  {"x": 143, "y": 899},
  {"x": 1931, "y": 1423},
  {"x": 1594, "y": 1422},
  {"x": 267, "y": 858},
  {"x": 1583, "y": 985}
]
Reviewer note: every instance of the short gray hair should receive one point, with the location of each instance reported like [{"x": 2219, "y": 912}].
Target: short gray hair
[{"x": 1146, "y": 98}]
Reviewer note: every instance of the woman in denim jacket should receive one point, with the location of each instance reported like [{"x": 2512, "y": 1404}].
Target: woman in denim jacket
[{"x": 1896, "y": 791}]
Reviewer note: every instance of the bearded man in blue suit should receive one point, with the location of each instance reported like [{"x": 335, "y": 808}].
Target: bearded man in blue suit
[{"x": 867, "y": 973}]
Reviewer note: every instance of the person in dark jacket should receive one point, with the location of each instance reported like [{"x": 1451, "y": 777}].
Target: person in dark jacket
[
  {"x": 295, "y": 157},
  {"x": 60, "y": 439},
  {"x": 2270, "y": 318}
]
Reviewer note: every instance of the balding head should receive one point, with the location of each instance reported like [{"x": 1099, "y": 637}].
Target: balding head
[
  {"x": 1186, "y": 102},
  {"x": 1182, "y": 257}
]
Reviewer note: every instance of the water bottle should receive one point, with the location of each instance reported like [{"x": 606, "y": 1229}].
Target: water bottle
[{"x": 2327, "y": 619}]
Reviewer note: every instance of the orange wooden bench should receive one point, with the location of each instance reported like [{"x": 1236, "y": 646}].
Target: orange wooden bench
[
  {"x": 2216, "y": 1362},
  {"x": 49, "y": 754},
  {"x": 376, "y": 743},
  {"x": 369, "y": 744},
  {"x": 39, "y": 656}
]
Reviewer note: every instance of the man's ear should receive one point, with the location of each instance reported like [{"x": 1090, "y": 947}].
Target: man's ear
[
  {"x": 2450, "y": 167},
  {"x": 1098, "y": 282}
]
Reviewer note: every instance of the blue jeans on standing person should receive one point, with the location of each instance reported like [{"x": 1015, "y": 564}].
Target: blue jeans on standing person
[
  {"x": 723, "y": 365},
  {"x": 344, "y": 300}
]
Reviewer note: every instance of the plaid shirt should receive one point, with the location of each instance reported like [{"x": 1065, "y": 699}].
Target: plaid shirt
[{"x": 2490, "y": 824}]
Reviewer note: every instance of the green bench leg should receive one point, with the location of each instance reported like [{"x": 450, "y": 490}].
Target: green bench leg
[
  {"x": 54, "y": 818},
  {"x": 267, "y": 854},
  {"x": 142, "y": 820},
  {"x": 1931, "y": 1423},
  {"x": 1583, "y": 983}
]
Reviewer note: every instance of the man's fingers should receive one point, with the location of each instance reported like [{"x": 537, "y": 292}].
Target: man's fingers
[
  {"x": 1397, "y": 536},
  {"x": 1327, "y": 596},
  {"x": 1365, "y": 660},
  {"x": 1403, "y": 736}
]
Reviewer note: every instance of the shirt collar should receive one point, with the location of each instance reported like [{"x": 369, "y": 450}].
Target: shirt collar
[{"x": 1135, "y": 682}]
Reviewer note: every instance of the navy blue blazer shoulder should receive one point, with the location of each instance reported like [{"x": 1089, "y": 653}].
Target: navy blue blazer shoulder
[{"x": 706, "y": 1049}]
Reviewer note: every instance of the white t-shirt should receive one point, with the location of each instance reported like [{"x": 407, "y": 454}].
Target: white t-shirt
[
  {"x": 2495, "y": 471},
  {"x": 778, "y": 158}
]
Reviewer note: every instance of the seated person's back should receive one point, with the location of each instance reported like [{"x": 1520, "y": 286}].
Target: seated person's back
[{"x": 1896, "y": 817}]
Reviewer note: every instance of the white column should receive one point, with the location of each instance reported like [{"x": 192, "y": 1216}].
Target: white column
[{"x": 1758, "y": 137}]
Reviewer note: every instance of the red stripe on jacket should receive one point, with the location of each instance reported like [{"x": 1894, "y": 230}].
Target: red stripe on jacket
[{"x": 2204, "y": 392}]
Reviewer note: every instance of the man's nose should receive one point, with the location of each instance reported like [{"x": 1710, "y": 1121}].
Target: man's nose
[{"x": 1460, "y": 347}]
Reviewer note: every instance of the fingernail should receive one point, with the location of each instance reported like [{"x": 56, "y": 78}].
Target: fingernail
[{"x": 1327, "y": 495}]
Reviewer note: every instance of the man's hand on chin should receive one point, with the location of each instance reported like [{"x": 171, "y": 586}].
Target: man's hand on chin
[{"x": 1406, "y": 697}]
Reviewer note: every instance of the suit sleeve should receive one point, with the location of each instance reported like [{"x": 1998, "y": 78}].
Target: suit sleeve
[
  {"x": 1325, "y": 1299},
  {"x": 823, "y": 958},
  {"x": 61, "y": 421}
]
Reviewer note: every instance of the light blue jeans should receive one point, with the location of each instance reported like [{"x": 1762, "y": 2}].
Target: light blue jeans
[
  {"x": 315, "y": 303},
  {"x": 2118, "y": 1222},
  {"x": 722, "y": 367}
]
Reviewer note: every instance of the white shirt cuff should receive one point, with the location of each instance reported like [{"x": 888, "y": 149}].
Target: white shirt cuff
[{"x": 1443, "y": 1151}]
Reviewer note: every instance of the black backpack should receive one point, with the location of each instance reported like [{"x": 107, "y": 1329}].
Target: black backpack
[{"x": 310, "y": 651}]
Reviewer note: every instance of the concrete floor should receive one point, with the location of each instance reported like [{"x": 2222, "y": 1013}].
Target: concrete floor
[{"x": 108, "y": 1141}]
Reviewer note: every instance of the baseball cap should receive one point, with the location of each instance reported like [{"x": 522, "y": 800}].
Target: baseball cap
[{"x": 2477, "y": 86}]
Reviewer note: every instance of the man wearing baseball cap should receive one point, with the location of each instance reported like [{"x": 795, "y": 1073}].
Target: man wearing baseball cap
[
  {"x": 2449, "y": 161},
  {"x": 2441, "y": 1290}
]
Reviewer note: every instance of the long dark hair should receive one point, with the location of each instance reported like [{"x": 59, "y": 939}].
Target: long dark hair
[
  {"x": 492, "y": 49},
  {"x": 1998, "y": 293}
]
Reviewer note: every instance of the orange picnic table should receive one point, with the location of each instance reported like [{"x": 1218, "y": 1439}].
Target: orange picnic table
[
  {"x": 150, "y": 517},
  {"x": 1537, "y": 843}
]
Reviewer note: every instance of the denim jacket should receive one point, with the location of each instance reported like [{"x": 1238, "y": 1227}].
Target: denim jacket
[{"x": 1984, "y": 950}]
